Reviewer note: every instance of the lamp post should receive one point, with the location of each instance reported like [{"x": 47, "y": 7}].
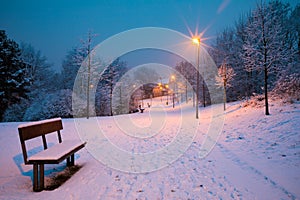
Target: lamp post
[
  {"x": 160, "y": 86},
  {"x": 160, "y": 91},
  {"x": 167, "y": 88},
  {"x": 173, "y": 81},
  {"x": 197, "y": 42}
]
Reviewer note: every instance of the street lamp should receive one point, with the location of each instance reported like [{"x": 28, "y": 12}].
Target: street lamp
[{"x": 197, "y": 42}]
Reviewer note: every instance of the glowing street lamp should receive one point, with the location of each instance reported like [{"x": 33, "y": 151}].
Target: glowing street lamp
[
  {"x": 196, "y": 41},
  {"x": 173, "y": 78}
]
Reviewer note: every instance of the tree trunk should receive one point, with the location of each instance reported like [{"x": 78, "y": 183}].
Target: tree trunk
[
  {"x": 265, "y": 65},
  {"x": 266, "y": 90},
  {"x": 110, "y": 97},
  {"x": 186, "y": 92},
  {"x": 111, "y": 90},
  {"x": 225, "y": 96}
]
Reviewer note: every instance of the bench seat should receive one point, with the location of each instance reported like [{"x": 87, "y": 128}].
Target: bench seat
[{"x": 57, "y": 153}]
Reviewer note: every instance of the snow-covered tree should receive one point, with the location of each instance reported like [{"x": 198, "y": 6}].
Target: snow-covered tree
[
  {"x": 288, "y": 87},
  {"x": 56, "y": 104},
  {"x": 15, "y": 112},
  {"x": 225, "y": 48},
  {"x": 293, "y": 38},
  {"x": 241, "y": 86},
  {"x": 12, "y": 70},
  {"x": 38, "y": 70},
  {"x": 292, "y": 26},
  {"x": 188, "y": 71},
  {"x": 122, "y": 94},
  {"x": 265, "y": 49},
  {"x": 108, "y": 80},
  {"x": 42, "y": 77},
  {"x": 80, "y": 57},
  {"x": 229, "y": 46},
  {"x": 71, "y": 65},
  {"x": 42, "y": 81},
  {"x": 224, "y": 78},
  {"x": 74, "y": 59}
]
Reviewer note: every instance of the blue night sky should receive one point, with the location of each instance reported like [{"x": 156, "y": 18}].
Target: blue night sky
[{"x": 55, "y": 26}]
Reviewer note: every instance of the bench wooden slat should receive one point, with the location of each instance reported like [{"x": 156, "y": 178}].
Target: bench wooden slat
[
  {"x": 34, "y": 129},
  {"x": 57, "y": 153}
]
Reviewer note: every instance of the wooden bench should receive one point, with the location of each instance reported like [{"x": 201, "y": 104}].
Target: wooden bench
[{"x": 52, "y": 155}]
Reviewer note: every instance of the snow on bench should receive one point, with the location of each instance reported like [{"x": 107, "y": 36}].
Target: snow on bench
[
  {"x": 55, "y": 153},
  {"x": 52, "y": 155}
]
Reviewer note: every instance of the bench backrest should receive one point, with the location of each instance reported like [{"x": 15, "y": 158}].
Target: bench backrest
[{"x": 40, "y": 128}]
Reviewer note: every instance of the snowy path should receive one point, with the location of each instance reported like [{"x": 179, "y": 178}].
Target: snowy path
[{"x": 256, "y": 157}]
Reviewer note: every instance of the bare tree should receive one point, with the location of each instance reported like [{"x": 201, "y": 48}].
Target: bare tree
[{"x": 224, "y": 78}]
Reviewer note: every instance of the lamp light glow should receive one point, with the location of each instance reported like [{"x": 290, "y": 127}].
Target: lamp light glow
[{"x": 196, "y": 41}]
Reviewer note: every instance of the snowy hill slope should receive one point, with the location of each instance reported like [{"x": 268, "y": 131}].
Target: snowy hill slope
[{"x": 256, "y": 157}]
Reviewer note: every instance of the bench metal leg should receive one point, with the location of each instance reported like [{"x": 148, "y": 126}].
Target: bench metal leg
[
  {"x": 35, "y": 177},
  {"x": 70, "y": 160},
  {"x": 38, "y": 177},
  {"x": 41, "y": 185}
]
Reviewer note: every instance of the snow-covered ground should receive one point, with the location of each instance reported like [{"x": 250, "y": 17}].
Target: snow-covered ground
[{"x": 255, "y": 157}]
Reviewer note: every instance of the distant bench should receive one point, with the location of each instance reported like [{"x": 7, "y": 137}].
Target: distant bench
[{"x": 52, "y": 155}]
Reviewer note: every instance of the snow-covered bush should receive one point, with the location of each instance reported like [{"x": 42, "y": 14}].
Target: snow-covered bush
[
  {"x": 80, "y": 104},
  {"x": 288, "y": 88},
  {"x": 256, "y": 101},
  {"x": 57, "y": 104},
  {"x": 15, "y": 112}
]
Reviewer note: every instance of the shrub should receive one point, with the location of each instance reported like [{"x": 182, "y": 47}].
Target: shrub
[
  {"x": 57, "y": 104},
  {"x": 288, "y": 87}
]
